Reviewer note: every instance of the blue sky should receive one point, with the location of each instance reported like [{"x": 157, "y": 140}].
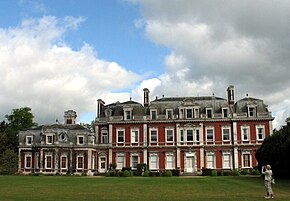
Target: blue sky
[{"x": 57, "y": 55}]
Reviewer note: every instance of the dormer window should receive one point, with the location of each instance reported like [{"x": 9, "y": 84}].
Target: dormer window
[
  {"x": 189, "y": 113},
  {"x": 251, "y": 111},
  {"x": 153, "y": 114},
  {"x": 225, "y": 112},
  {"x": 49, "y": 139},
  {"x": 169, "y": 114},
  {"x": 80, "y": 140},
  {"x": 128, "y": 114},
  {"x": 209, "y": 113},
  {"x": 196, "y": 112},
  {"x": 29, "y": 140}
]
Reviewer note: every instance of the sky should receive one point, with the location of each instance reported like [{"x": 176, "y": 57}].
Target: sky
[{"x": 57, "y": 55}]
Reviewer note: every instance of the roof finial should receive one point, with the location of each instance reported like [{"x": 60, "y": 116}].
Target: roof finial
[{"x": 130, "y": 98}]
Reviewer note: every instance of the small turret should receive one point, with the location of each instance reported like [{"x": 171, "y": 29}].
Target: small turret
[
  {"x": 146, "y": 97},
  {"x": 70, "y": 117},
  {"x": 231, "y": 95}
]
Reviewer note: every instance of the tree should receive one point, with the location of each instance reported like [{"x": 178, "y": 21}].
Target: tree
[
  {"x": 275, "y": 151},
  {"x": 20, "y": 119},
  {"x": 8, "y": 162}
]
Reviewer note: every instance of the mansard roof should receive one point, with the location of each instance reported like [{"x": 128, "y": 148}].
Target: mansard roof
[{"x": 243, "y": 104}]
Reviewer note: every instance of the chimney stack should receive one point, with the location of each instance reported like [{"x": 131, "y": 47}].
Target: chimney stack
[
  {"x": 231, "y": 95},
  {"x": 146, "y": 97}
]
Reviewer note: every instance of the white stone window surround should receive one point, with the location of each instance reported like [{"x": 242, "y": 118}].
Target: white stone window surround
[
  {"x": 48, "y": 161},
  {"x": 260, "y": 132},
  {"x": 227, "y": 160},
  {"x": 169, "y": 132},
  {"x": 61, "y": 162},
  {"x": 49, "y": 138},
  {"x": 169, "y": 113},
  {"x": 134, "y": 156},
  {"x": 135, "y": 135},
  {"x": 169, "y": 161},
  {"x": 246, "y": 155},
  {"x": 245, "y": 133},
  {"x": 29, "y": 140},
  {"x": 104, "y": 136},
  {"x": 153, "y": 114},
  {"x": 120, "y": 135},
  {"x": 226, "y": 133},
  {"x": 153, "y": 138},
  {"x": 209, "y": 113},
  {"x": 28, "y": 161},
  {"x": 120, "y": 161},
  {"x": 128, "y": 113},
  {"x": 210, "y": 134},
  {"x": 210, "y": 160},
  {"x": 80, "y": 139},
  {"x": 80, "y": 159},
  {"x": 153, "y": 161},
  {"x": 225, "y": 112}
]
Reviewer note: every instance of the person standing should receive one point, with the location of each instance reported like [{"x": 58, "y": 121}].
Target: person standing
[{"x": 266, "y": 170}]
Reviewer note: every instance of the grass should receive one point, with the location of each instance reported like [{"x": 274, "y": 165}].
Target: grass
[{"x": 43, "y": 188}]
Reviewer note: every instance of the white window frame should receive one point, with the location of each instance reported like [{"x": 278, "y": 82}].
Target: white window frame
[
  {"x": 134, "y": 132},
  {"x": 82, "y": 162},
  {"x": 227, "y": 160},
  {"x": 128, "y": 114},
  {"x": 197, "y": 135},
  {"x": 170, "y": 161},
  {"x": 223, "y": 133},
  {"x": 134, "y": 155},
  {"x": 104, "y": 136},
  {"x": 210, "y": 160},
  {"x": 46, "y": 163},
  {"x": 153, "y": 117},
  {"x": 248, "y": 133},
  {"x": 250, "y": 110},
  {"x": 181, "y": 135},
  {"x": 117, "y": 133},
  {"x": 207, "y": 113},
  {"x": 120, "y": 164},
  {"x": 29, "y": 140},
  {"x": 79, "y": 141},
  {"x": 258, "y": 127},
  {"x": 186, "y": 113},
  {"x": 150, "y": 132},
  {"x": 25, "y": 161},
  {"x": 213, "y": 134},
  {"x": 169, "y": 113},
  {"x": 151, "y": 162},
  {"x": 66, "y": 160},
  {"x": 225, "y": 114},
  {"x": 47, "y": 139},
  {"x": 192, "y": 130},
  {"x": 250, "y": 159},
  {"x": 166, "y": 133}
]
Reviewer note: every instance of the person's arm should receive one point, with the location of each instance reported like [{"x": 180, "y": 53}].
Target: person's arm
[{"x": 263, "y": 169}]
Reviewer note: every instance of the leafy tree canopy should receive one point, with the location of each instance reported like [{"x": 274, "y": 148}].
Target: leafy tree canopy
[{"x": 20, "y": 118}]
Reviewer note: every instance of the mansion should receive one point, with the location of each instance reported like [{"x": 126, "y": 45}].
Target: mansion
[{"x": 168, "y": 133}]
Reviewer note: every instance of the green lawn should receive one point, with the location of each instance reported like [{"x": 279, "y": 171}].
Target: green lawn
[{"x": 42, "y": 188}]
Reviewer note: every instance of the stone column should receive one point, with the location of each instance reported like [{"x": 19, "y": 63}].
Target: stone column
[
  {"x": 89, "y": 162},
  {"x": 41, "y": 161}
]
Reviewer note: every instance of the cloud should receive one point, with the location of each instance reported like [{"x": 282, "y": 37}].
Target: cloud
[
  {"x": 217, "y": 43},
  {"x": 39, "y": 70}
]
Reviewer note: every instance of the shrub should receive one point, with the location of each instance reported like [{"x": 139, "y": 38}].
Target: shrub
[
  {"x": 120, "y": 173},
  {"x": 206, "y": 172},
  {"x": 226, "y": 172},
  {"x": 146, "y": 173},
  {"x": 176, "y": 172},
  {"x": 244, "y": 172},
  {"x": 126, "y": 173},
  {"x": 168, "y": 173},
  {"x": 235, "y": 172},
  {"x": 213, "y": 173}
]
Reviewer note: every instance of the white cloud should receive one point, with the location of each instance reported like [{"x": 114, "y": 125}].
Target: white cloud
[
  {"x": 40, "y": 71},
  {"x": 217, "y": 43}
]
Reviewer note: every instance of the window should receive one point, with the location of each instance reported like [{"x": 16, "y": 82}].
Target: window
[
  {"x": 80, "y": 140},
  {"x": 181, "y": 136},
  {"x": 196, "y": 113},
  {"x": 80, "y": 162},
  {"x": 260, "y": 130},
  {"x": 169, "y": 135},
  {"x": 246, "y": 160},
  {"x": 120, "y": 161},
  {"x": 210, "y": 160},
  {"x": 226, "y": 160},
  {"x": 209, "y": 135},
  {"x": 225, "y": 112},
  {"x": 48, "y": 164},
  {"x": 63, "y": 161},
  {"x": 209, "y": 113},
  {"x": 169, "y": 161},
  {"x": 153, "y": 135},
  {"x": 134, "y": 135},
  {"x": 189, "y": 113},
  {"x": 226, "y": 134},
  {"x": 134, "y": 161},
  {"x": 104, "y": 139},
  {"x": 181, "y": 113},
  {"x": 197, "y": 135},
  {"x": 245, "y": 133},
  {"x": 153, "y": 162},
  {"x": 128, "y": 115},
  {"x": 120, "y": 136},
  {"x": 49, "y": 139},
  {"x": 153, "y": 114},
  {"x": 251, "y": 111},
  {"x": 189, "y": 137},
  {"x": 103, "y": 163},
  {"x": 169, "y": 113},
  {"x": 28, "y": 162},
  {"x": 29, "y": 140}
]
